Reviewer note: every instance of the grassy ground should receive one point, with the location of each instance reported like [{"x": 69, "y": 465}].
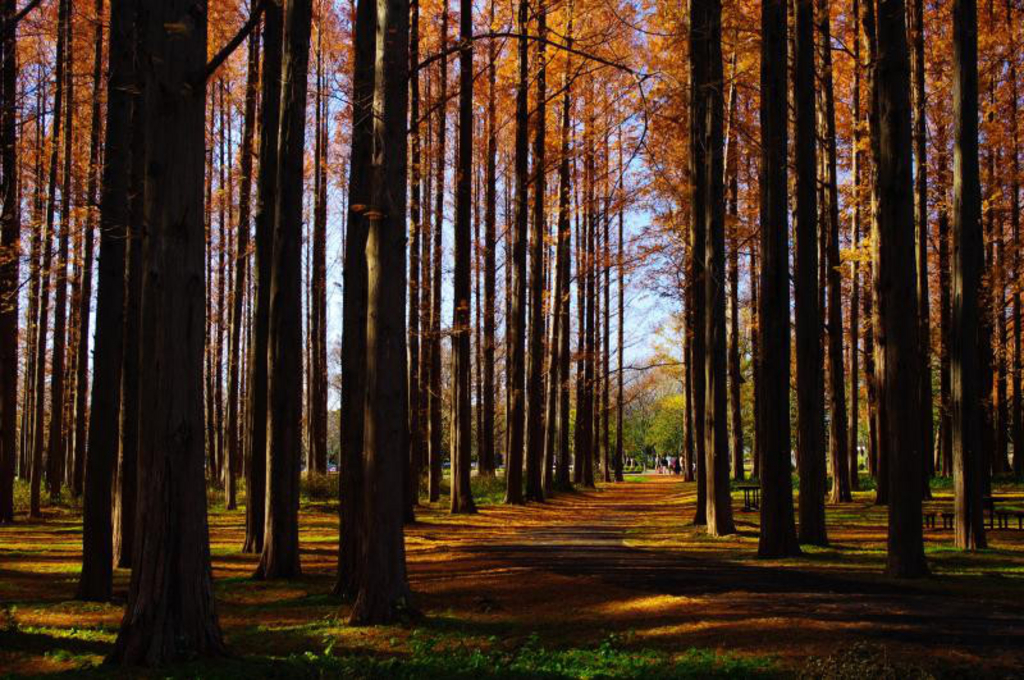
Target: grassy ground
[{"x": 612, "y": 582}]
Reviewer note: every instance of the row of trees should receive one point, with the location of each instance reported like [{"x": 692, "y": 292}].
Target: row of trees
[{"x": 899, "y": 222}]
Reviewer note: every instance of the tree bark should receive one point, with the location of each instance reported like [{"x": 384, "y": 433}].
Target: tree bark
[
  {"x": 384, "y": 589},
  {"x": 354, "y": 315},
  {"x": 10, "y": 234},
  {"x": 95, "y": 581},
  {"x": 266, "y": 202},
  {"x": 838, "y": 444},
  {"x": 698, "y": 239},
  {"x": 778, "y": 531},
  {"x": 416, "y": 430},
  {"x": 968, "y": 260},
  {"x": 436, "y": 400},
  {"x": 809, "y": 379},
  {"x": 560, "y": 372},
  {"x": 1017, "y": 424},
  {"x": 462, "y": 398},
  {"x": 899, "y": 311},
  {"x": 920, "y": 141},
  {"x": 280, "y": 557},
  {"x": 535, "y": 386},
  {"x": 170, "y": 614},
  {"x": 517, "y": 312},
  {"x": 485, "y": 456}
]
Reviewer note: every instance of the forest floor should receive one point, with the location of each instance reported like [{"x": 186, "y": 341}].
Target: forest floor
[{"x": 612, "y": 582}]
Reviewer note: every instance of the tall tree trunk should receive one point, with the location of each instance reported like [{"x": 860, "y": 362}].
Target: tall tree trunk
[
  {"x": 516, "y": 356},
  {"x": 55, "y": 449},
  {"x": 944, "y": 462},
  {"x": 266, "y": 207},
  {"x": 920, "y": 136},
  {"x": 968, "y": 260},
  {"x": 354, "y": 316},
  {"x": 241, "y": 257},
  {"x": 416, "y": 429},
  {"x": 853, "y": 430},
  {"x": 757, "y": 449},
  {"x": 170, "y": 614},
  {"x": 778, "y": 531},
  {"x": 698, "y": 235},
  {"x": 384, "y": 589},
  {"x": 120, "y": 154},
  {"x": 732, "y": 182},
  {"x": 126, "y": 482},
  {"x": 436, "y": 399},
  {"x": 318, "y": 407},
  {"x": 10, "y": 234},
  {"x": 899, "y": 311},
  {"x": 85, "y": 294},
  {"x": 535, "y": 386},
  {"x": 562, "y": 295},
  {"x": 485, "y": 456},
  {"x": 1017, "y": 426},
  {"x": 838, "y": 443},
  {"x": 280, "y": 557},
  {"x": 809, "y": 379},
  {"x": 620, "y": 263},
  {"x": 708, "y": 40},
  {"x": 462, "y": 397}
]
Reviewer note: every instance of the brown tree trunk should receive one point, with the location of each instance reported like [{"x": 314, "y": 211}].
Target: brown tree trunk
[
  {"x": 266, "y": 202},
  {"x": 126, "y": 482},
  {"x": 968, "y": 260},
  {"x": 416, "y": 429},
  {"x": 838, "y": 443},
  {"x": 10, "y": 234},
  {"x": 1017, "y": 426},
  {"x": 706, "y": 36},
  {"x": 383, "y": 588},
  {"x": 778, "y": 531},
  {"x": 899, "y": 311},
  {"x": 921, "y": 235},
  {"x": 85, "y": 293},
  {"x": 318, "y": 300},
  {"x": 462, "y": 398},
  {"x": 517, "y": 312},
  {"x": 354, "y": 315},
  {"x": 280, "y": 557},
  {"x": 535, "y": 385},
  {"x": 620, "y": 263},
  {"x": 944, "y": 461},
  {"x": 562, "y": 274},
  {"x": 809, "y": 379},
  {"x": 698, "y": 236},
  {"x": 170, "y": 614},
  {"x": 241, "y": 258},
  {"x": 853, "y": 431},
  {"x": 486, "y": 454},
  {"x": 95, "y": 581},
  {"x": 55, "y": 449},
  {"x": 436, "y": 400}
]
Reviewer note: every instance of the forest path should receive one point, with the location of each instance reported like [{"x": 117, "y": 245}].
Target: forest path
[{"x": 626, "y": 559}]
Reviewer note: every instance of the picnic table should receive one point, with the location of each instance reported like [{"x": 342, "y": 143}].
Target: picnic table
[{"x": 751, "y": 496}]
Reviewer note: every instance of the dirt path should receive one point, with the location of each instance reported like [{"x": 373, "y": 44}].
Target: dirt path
[{"x": 583, "y": 566}]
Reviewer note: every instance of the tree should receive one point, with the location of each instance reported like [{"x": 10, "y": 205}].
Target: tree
[
  {"x": 266, "y": 207},
  {"x": 706, "y": 37},
  {"x": 898, "y": 311},
  {"x": 838, "y": 443},
  {"x": 462, "y": 427},
  {"x": 517, "y": 312},
  {"x": 535, "y": 385},
  {"x": 383, "y": 586},
  {"x": 417, "y": 431},
  {"x": 95, "y": 581},
  {"x": 968, "y": 258},
  {"x": 1017, "y": 424},
  {"x": 486, "y": 455},
  {"x": 280, "y": 556},
  {"x": 241, "y": 259},
  {"x": 353, "y": 350},
  {"x": 809, "y": 383},
  {"x": 170, "y": 613},
  {"x": 778, "y": 531},
  {"x": 10, "y": 228},
  {"x": 435, "y": 452}
]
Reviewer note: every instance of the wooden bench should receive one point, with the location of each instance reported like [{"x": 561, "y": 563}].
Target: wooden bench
[
  {"x": 1002, "y": 518},
  {"x": 929, "y": 520},
  {"x": 1020, "y": 519},
  {"x": 947, "y": 520}
]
